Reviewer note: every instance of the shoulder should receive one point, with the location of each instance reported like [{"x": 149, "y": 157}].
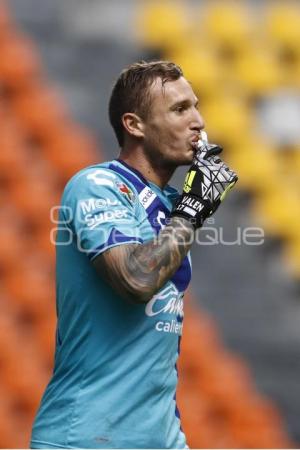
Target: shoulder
[
  {"x": 98, "y": 173},
  {"x": 99, "y": 195},
  {"x": 98, "y": 180}
]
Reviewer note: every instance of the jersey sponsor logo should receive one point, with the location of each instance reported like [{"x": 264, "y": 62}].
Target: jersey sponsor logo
[
  {"x": 168, "y": 301},
  {"x": 97, "y": 177},
  {"x": 92, "y": 204},
  {"x": 93, "y": 221},
  {"x": 169, "y": 327},
  {"x": 125, "y": 190},
  {"x": 146, "y": 197},
  {"x": 161, "y": 219}
]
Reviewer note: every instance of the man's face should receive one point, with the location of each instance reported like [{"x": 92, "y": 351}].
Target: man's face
[{"x": 173, "y": 123}]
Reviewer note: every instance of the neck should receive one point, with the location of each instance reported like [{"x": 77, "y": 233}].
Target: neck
[{"x": 151, "y": 171}]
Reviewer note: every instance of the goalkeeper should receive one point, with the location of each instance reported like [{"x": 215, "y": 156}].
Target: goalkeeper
[{"x": 123, "y": 265}]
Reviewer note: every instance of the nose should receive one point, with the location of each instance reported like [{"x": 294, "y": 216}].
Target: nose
[{"x": 197, "y": 123}]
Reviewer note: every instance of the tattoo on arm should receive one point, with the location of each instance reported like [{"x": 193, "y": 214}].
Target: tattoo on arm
[{"x": 137, "y": 272}]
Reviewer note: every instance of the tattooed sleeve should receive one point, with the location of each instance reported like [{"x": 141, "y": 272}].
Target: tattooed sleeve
[{"x": 137, "y": 272}]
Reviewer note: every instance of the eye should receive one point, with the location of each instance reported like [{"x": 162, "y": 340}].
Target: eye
[{"x": 180, "y": 109}]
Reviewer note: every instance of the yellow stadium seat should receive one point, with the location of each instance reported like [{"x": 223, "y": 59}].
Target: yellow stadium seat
[
  {"x": 292, "y": 75},
  {"x": 261, "y": 170},
  {"x": 292, "y": 256},
  {"x": 162, "y": 24},
  {"x": 228, "y": 24},
  {"x": 255, "y": 161},
  {"x": 227, "y": 118},
  {"x": 200, "y": 67},
  {"x": 279, "y": 211},
  {"x": 295, "y": 160},
  {"x": 289, "y": 161},
  {"x": 282, "y": 25},
  {"x": 258, "y": 71}
]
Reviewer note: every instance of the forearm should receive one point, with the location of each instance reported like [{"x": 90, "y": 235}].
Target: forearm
[{"x": 140, "y": 271}]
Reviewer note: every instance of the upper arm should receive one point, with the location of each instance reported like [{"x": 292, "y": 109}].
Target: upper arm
[
  {"x": 103, "y": 216},
  {"x": 114, "y": 266}
]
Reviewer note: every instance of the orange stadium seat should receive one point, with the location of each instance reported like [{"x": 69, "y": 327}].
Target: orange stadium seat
[
  {"x": 213, "y": 397},
  {"x": 40, "y": 111},
  {"x": 200, "y": 334},
  {"x": 9, "y": 427},
  {"x": 6, "y": 25},
  {"x": 43, "y": 239},
  {"x": 11, "y": 237},
  {"x": 19, "y": 63},
  {"x": 259, "y": 415},
  {"x": 18, "y": 376},
  {"x": 30, "y": 312},
  {"x": 13, "y": 154},
  {"x": 12, "y": 160},
  {"x": 45, "y": 334},
  {"x": 34, "y": 271},
  {"x": 34, "y": 197},
  {"x": 76, "y": 143}
]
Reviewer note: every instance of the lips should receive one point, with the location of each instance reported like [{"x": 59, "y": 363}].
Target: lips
[
  {"x": 194, "y": 141},
  {"x": 196, "y": 138},
  {"x": 199, "y": 139}
]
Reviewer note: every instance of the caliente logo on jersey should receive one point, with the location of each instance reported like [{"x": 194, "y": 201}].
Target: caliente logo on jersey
[{"x": 168, "y": 301}]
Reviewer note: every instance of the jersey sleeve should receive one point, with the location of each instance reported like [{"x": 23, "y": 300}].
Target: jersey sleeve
[{"x": 104, "y": 210}]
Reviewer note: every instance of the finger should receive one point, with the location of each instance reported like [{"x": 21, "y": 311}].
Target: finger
[
  {"x": 207, "y": 151},
  {"x": 229, "y": 187},
  {"x": 213, "y": 150}
]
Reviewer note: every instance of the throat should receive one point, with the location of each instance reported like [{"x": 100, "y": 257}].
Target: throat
[{"x": 154, "y": 172}]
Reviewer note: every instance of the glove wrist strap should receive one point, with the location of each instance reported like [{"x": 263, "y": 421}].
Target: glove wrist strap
[{"x": 192, "y": 208}]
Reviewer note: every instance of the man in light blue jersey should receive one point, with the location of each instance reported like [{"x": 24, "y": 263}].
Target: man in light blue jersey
[{"x": 123, "y": 266}]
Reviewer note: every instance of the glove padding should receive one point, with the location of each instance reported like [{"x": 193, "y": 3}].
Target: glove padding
[{"x": 206, "y": 185}]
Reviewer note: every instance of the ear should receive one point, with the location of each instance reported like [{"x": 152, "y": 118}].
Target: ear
[{"x": 133, "y": 124}]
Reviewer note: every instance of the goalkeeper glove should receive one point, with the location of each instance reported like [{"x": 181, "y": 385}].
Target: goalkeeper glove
[{"x": 206, "y": 184}]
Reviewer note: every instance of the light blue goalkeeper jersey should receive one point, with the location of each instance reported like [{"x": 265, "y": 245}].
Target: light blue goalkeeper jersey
[{"x": 114, "y": 380}]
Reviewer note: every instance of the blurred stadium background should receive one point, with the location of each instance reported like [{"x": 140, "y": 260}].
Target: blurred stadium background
[{"x": 240, "y": 365}]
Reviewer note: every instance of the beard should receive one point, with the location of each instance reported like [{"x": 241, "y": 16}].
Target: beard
[{"x": 164, "y": 158}]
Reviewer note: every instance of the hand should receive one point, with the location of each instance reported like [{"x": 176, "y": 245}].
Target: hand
[{"x": 206, "y": 185}]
